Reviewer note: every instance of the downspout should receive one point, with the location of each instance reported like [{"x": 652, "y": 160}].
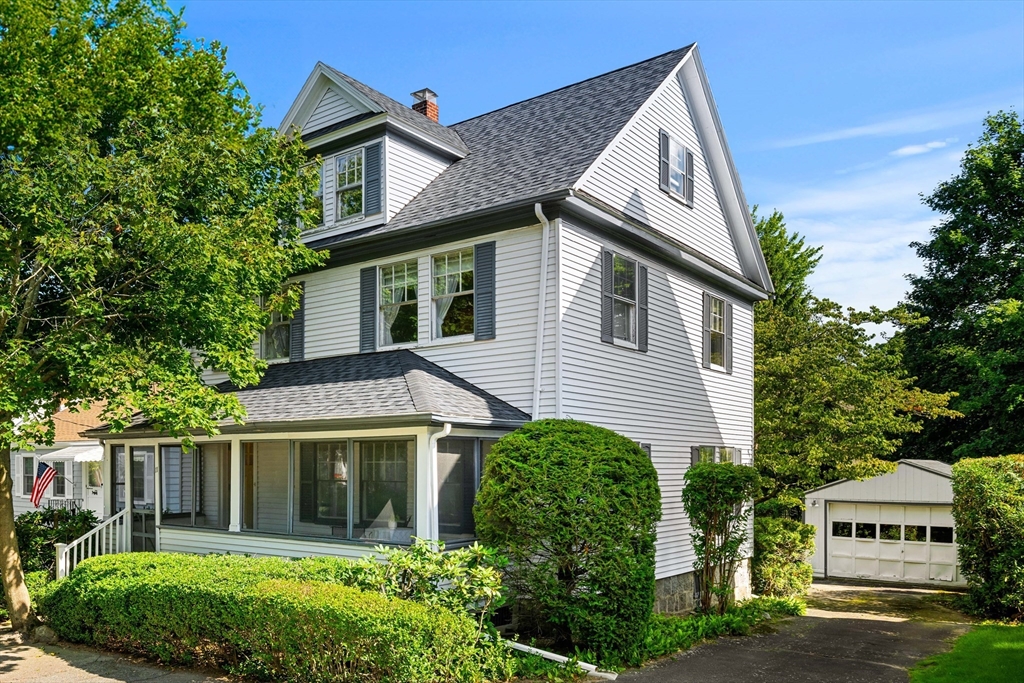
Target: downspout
[
  {"x": 541, "y": 306},
  {"x": 433, "y": 498}
]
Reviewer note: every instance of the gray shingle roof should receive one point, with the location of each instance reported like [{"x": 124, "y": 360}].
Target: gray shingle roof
[
  {"x": 534, "y": 147},
  {"x": 405, "y": 114},
  {"x": 387, "y": 384},
  {"x": 936, "y": 466}
]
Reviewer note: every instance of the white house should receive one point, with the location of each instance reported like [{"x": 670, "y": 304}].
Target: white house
[
  {"x": 587, "y": 253},
  {"x": 893, "y": 527}
]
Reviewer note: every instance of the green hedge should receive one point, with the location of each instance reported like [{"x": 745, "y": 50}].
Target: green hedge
[
  {"x": 988, "y": 507},
  {"x": 575, "y": 508},
  {"x": 270, "y": 618},
  {"x": 781, "y": 550}
]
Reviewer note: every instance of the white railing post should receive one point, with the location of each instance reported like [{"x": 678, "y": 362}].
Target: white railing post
[{"x": 62, "y": 555}]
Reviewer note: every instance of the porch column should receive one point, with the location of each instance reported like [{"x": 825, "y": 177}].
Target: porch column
[
  {"x": 129, "y": 494},
  {"x": 158, "y": 499},
  {"x": 235, "y": 519},
  {"x": 426, "y": 500}
]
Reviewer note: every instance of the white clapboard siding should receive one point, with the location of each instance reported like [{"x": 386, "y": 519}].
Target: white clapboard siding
[
  {"x": 409, "y": 169},
  {"x": 502, "y": 366},
  {"x": 271, "y": 499},
  {"x": 332, "y": 108},
  {"x": 627, "y": 178},
  {"x": 202, "y": 542},
  {"x": 664, "y": 396},
  {"x": 908, "y": 484}
]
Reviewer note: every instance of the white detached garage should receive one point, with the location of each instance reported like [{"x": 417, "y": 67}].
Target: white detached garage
[{"x": 894, "y": 527}]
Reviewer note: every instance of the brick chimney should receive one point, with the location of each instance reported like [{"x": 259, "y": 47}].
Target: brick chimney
[{"x": 426, "y": 103}]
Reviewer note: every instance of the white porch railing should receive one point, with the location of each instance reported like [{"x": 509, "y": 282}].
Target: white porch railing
[{"x": 109, "y": 538}]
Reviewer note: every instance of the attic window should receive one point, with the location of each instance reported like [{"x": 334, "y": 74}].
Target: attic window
[
  {"x": 676, "y": 169},
  {"x": 349, "y": 184}
]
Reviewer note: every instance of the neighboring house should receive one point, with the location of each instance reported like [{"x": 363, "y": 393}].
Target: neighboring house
[
  {"x": 77, "y": 458},
  {"x": 893, "y": 527},
  {"x": 586, "y": 254}
]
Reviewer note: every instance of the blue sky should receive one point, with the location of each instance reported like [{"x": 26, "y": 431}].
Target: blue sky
[{"x": 838, "y": 114}]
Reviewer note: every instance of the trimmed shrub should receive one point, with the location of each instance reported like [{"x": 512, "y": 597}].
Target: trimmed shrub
[
  {"x": 38, "y": 532},
  {"x": 988, "y": 507},
  {"x": 270, "y": 618},
  {"x": 575, "y": 508},
  {"x": 716, "y": 498},
  {"x": 781, "y": 550}
]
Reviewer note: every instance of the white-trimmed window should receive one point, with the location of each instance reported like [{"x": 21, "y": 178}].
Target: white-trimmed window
[
  {"x": 624, "y": 290},
  {"x": 349, "y": 185},
  {"x": 676, "y": 168},
  {"x": 715, "y": 454},
  {"x": 28, "y": 474},
  {"x": 399, "y": 306},
  {"x": 452, "y": 293},
  {"x": 61, "y": 487},
  {"x": 275, "y": 342},
  {"x": 717, "y": 351}
]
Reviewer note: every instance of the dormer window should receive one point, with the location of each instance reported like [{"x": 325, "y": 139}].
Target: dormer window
[{"x": 349, "y": 185}]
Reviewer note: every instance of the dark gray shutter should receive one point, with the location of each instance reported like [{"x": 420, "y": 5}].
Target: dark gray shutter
[
  {"x": 728, "y": 337},
  {"x": 483, "y": 291},
  {"x": 297, "y": 343},
  {"x": 307, "y": 485},
  {"x": 642, "y": 309},
  {"x": 688, "y": 182},
  {"x": 663, "y": 160},
  {"x": 371, "y": 179},
  {"x": 368, "y": 309},
  {"x": 607, "y": 276},
  {"x": 646, "y": 448},
  {"x": 694, "y": 455},
  {"x": 706, "y": 350}
]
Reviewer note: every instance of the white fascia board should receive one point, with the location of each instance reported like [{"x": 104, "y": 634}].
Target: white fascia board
[
  {"x": 697, "y": 91},
  {"x": 314, "y": 86},
  {"x": 424, "y": 139}
]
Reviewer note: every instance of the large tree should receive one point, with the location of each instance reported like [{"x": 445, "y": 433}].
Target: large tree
[
  {"x": 148, "y": 224},
  {"x": 829, "y": 403},
  {"x": 972, "y": 294}
]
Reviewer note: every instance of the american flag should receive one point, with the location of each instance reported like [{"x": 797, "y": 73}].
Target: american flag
[{"x": 44, "y": 475}]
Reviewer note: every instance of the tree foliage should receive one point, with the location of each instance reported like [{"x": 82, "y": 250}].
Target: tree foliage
[
  {"x": 575, "y": 509},
  {"x": 716, "y": 498},
  {"x": 145, "y": 213},
  {"x": 971, "y": 295},
  {"x": 782, "y": 548},
  {"x": 829, "y": 402}
]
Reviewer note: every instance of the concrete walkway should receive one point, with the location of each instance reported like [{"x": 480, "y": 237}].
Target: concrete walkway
[
  {"x": 850, "y": 635},
  {"x": 22, "y": 662}
]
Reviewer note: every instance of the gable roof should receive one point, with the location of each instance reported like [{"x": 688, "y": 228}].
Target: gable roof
[
  {"x": 934, "y": 466},
  {"x": 386, "y": 385},
  {"x": 70, "y": 425}
]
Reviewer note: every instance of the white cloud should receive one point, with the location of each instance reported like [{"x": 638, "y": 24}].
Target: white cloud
[{"x": 912, "y": 150}]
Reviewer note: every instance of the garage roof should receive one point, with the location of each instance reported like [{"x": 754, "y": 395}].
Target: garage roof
[{"x": 933, "y": 466}]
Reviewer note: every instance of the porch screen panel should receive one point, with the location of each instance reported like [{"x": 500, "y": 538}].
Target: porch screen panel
[
  {"x": 213, "y": 493},
  {"x": 176, "y": 486},
  {"x": 385, "y": 486},
  {"x": 456, "y": 476},
  {"x": 119, "y": 473},
  {"x": 271, "y": 490}
]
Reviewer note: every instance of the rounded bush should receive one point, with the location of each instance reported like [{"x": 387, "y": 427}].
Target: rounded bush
[
  {"x": 781, "y": 550},
  {"x": 575, "y": 508},
  {"x": 988, "y": 508}
]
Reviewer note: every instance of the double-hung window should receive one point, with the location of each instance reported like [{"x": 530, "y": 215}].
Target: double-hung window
[
  {"x": 349, "y": 185},
  {"x": 452, "y": 293},
  {"x": 717, "y": 352},
  {"x": 28, "y": 474},
  {"x": 399, "y": 307},
  {"x": 275, "y": 343},
  {"x": 624, "y": 291},
  {"x": 59, "y": 487},
  {"x": 676, "y": 168}
]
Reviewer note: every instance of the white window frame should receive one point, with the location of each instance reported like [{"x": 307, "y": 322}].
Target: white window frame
[
  {"x": 677, "y": 150},
  {"x": 633, "y": 304},
  {"x": 276, "y": 320},
  {"x": 26, "y": 493},
  {"x": 339, "y": 188},
  {"x": 415, "y": 262},
  {"x": 712, "y": 301},
  {"x": 434, "y": 336},
  {"x": 69, "y": 480}
]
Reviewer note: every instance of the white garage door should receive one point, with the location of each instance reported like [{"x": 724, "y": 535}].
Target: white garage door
[{"x": 912, "y": 543}]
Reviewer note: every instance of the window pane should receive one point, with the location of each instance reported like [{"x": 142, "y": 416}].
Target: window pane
[
  {"x": 350, "y": 202},
  {"x": 942, "y": 534},
  {"x": 707, "y": 454},
  {"x": 622, "y": 320},
  {"x": 28, "y": 474},
  {"x": 455, "y": 314},
  {"x": 212, "y": 495},
  {"x": 277, "y": 341},
  {"x": 399, "y": 310},
  {"x": 676, "y": 172},
  {"x": 717, "y": 352},
  {"x": 400, "y": 324},
  {"x": 889, "y": 532},
  {"x": 842, "y": 529},
  {"x": 727, "y": 454},
  {"x": 866, "y": 530},
  {"x": 915, "y": 532},
  {"x": 717, "y": 315},
  {"x": 456, "y": 476},
  {"x": 176, "y": 473},
  {"x": 59, "y": 489},
  {"x": 332, "y": 483},
  {"x": 119, "y": 475},
  {"x": 624, "y": 280},
  {"x": 95, "y": 474},
  {"x": 385, "y": 492},
  {"x": 143, "y": 478}
]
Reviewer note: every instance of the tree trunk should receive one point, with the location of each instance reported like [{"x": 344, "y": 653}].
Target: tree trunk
[{"x": 19, "y": 606}]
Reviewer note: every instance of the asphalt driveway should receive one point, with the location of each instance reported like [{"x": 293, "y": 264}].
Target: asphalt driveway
[{"x": 851, "y": 634}]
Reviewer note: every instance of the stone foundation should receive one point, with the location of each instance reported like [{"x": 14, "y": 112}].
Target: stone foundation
[{"x": 674, "y": 594}]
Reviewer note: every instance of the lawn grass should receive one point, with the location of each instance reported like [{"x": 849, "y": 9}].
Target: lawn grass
[{"x": 988, "y": 653}]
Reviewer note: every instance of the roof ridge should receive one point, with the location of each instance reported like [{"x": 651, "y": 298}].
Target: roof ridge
[
  {"x": 413, "y": 383},
  {"x": 572, "y": 85}
]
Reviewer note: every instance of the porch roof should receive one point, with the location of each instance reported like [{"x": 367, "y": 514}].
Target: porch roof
[{"x": 386, "y": 386}]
